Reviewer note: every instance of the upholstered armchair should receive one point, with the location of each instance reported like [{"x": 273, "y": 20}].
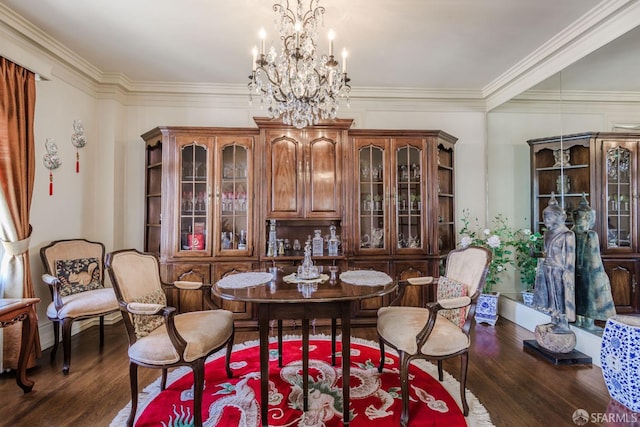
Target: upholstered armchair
[
  {"x": 158, "y": 336},
  {"x": 441, "y": 329},
  {"x": 74, "y": 272}
]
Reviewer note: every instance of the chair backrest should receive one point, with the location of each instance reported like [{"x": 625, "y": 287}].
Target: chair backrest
[
  {"x": 77, "y": 263},
  {"x": 134, "y": 274},
  {"x": 136, "y": 279},
  {"x": 469, "y": 266}
]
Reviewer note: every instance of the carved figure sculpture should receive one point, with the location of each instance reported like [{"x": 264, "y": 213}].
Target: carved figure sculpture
[
  {"x": 555, "y": 280},
  {"x": 593, "y": 289}
]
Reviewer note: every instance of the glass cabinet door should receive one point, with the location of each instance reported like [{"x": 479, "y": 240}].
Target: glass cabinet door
[
  {"x": 619, "y": 197},
  {"x": 194, "y": 206},
  {"x": 234, "y": 199},
  {"x": 408, "y": 196},
  {"x": 371, "y": 170}
]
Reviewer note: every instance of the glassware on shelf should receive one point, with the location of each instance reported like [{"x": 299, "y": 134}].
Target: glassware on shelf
[
  {"x": 366, "y": 203},
  {"x": 623, "y": 203},
  {"x": 333, "y": 269},
  {"x": 364, "y": 170},
  {"x": 404, "y": 173},
  {"x": 334, "y": 242},
  {"x": 415, "y": 171},
  {"x": 225, "y": 240},
  {"x": 377, "y": 235},
  {"x": 377, "y": 202},
  {"x": 242, "y": 242},
  {"x": 317, "y": 243}
]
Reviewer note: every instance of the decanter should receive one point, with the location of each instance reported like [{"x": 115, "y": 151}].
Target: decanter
[
  {"x": 334, "y": 242},
  {"x": 307, "y": 270}
]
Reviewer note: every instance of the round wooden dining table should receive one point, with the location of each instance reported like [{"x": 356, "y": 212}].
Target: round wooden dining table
[{"x": 281, "y": 296}]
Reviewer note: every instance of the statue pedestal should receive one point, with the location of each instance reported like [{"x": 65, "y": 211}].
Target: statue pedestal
[
  {"x": 557, "y": 342},
  {"x": 572, "y": 358}
]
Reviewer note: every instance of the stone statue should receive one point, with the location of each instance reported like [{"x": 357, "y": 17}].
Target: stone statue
[
  {"x": 555, "y": 279},
  {"x": 593, "y": 289}
]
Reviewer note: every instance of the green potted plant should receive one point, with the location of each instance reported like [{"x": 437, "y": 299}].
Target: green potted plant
[
  {"x": 498, "y": 240},
  {"x": 528, "y": 249}
]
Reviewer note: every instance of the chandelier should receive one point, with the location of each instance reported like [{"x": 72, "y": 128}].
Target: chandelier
[{"x": 297, "y": 83}]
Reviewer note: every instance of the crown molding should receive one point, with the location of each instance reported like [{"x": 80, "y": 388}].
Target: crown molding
[
  {"x": 602, "y": 24},
  {"x": 618, "y": 97},
  {"x": 46, "y": 43}
]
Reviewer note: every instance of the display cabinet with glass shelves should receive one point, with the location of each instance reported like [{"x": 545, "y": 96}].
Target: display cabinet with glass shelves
[
  {"x": 199, "y": 203},
  {"x": 602, "y": 166},
  {"x": 234, "y": 191},
  {"x": 213, "y": 193}
]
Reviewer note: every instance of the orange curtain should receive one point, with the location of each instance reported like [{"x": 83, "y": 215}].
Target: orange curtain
[{"x": 17, "y": 172}]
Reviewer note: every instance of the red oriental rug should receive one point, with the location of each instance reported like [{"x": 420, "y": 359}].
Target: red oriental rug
[{"x": 375, "y": 398}]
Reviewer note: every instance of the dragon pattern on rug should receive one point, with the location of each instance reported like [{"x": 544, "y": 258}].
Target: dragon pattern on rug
[{"x": 236, "y": 398}]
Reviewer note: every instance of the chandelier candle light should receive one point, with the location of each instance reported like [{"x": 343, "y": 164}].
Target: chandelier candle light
[{"x": 297, "y": 84}]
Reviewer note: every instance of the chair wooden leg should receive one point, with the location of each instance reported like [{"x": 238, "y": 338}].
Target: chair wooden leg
[
  {"x": 229, "y": 351},
  {"x": 334, "y": 328},
  {"x": 101, "y": 332},
  {"x": 56, "y": 339},
  {"x": 163, "y": 382},
  {"x": 464, "y": 362},
  {"x": 404, "y": 387},
  {"x": 280, "y": 343},
  {"x": 66, "y": 344},
  {"x": 133, "y": 381},
  {"x": 440, "y": 375},
  {"x": 381, "y": 366},
  {"x": 198, "y": 385}
]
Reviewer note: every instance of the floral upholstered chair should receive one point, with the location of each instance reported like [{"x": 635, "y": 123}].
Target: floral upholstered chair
[
  {"x": 158, "y": 336},
  {"x": 74, "y": 272},
  {"x": 441, "y": 329}
]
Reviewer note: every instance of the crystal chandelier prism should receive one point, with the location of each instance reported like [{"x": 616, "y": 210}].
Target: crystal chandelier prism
[{"x": 296, "y": 83}]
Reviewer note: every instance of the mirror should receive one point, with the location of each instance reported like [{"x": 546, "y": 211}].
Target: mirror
[{"x": 600, "y": 92}]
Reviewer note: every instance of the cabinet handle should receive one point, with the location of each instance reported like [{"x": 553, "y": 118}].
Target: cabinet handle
[{"x": 633, "y": 284}]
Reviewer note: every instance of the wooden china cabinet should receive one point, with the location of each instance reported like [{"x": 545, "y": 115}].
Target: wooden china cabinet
[
  {"x": 403, "y": 204},
  {"x": 200, "y": 205},
  {"x": 604, "y": 167},
  {"x": 216, "y": 197}
]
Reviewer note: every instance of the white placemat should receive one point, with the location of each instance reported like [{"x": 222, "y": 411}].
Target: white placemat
[
  {"x": 366, "y": 278},
  {"x": 293, "y": 278},
  {"x": 244, "y": 280}
]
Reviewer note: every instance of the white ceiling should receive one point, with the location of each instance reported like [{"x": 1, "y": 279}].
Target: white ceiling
[{"x": 468, "y": 46}]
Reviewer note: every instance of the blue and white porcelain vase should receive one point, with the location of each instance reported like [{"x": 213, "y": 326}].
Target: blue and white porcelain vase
[
  {"x": 620, "y": 360},
  {"x": 527, "y": 298},
  {"x": 487, "y": 308}
]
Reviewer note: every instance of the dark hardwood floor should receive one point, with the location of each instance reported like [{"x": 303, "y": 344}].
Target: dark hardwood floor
[{"x": 517, "y": 388}]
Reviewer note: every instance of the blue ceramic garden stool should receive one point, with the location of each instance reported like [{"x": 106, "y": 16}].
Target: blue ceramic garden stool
[{"x": 620, "y": 359}]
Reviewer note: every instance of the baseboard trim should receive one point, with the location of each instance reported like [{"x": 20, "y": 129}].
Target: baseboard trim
[{"x": 45, "y": 328}]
